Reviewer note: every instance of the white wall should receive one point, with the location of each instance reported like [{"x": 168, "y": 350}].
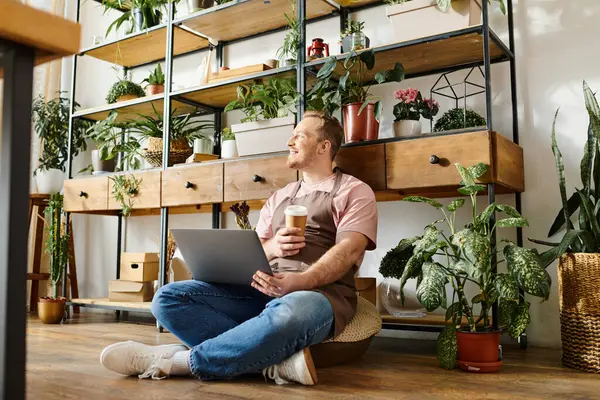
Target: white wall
[{"x": 555, "y": 42}]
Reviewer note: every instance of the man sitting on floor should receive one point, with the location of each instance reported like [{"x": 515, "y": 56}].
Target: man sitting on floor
[{"x": 234, "y": 329}]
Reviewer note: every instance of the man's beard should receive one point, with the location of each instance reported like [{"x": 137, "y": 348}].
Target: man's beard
[{"x": 305, "y": 161}]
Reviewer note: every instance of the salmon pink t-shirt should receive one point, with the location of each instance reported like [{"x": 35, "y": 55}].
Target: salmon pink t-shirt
[{"x": 354, "y": 207}]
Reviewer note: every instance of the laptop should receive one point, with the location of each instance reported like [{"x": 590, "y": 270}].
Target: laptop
[{"x": 222, "y": 255}]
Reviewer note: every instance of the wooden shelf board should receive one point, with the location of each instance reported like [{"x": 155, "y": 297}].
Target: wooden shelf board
[
  {"x": 243, "y": 18},
  {"x": 104, "y": 302},
  {"x": 356, "y": 3},
  {"x": 146, "y": 47},
  {"x": 131, "y": 108},
  {"x": 219, "y": 94},
  {"x": 425, "y": 56}
]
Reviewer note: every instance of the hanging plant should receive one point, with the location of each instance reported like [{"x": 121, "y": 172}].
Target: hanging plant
[{"x": 125, "y": 190}]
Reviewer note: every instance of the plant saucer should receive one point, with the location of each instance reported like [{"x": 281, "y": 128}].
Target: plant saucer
[{"x": 479, "y": 367}]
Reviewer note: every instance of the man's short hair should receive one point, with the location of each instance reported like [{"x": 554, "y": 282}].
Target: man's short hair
[{"x": 329, "y": 128}]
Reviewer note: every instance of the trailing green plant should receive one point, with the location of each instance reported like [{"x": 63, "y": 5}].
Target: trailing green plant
[
  {"x": 51, "y": 124},
  {"x": 156, "y": 77},
  {"x": 57, "y": 240},
  {"x": 457, "y": 118},
  {"x": 124, "y": 87},
  {"x": 444, "y": 5},
  {"x": 330, "y": 93},
  {"x": 227, "y": 134},
  {"x": 462, "y": 257},
  {"x": 262, "y": 101},
  {"x": 291, "y": 42},
  {"x": 151, "y": 12},
  {"x": 583, "y": 236},
  {"x": 125, "y": 190}
]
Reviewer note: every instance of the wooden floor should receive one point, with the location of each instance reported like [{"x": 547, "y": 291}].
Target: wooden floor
[{"x": 63, "y": 364}]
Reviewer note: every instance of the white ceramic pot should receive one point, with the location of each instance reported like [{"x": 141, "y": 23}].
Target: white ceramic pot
[
  {"x": 49, "y": 181},
  {"x": 203, "y": 146},
  {"x": 262, "y": 137},
  {"x": 407, "y": 128},
  {"x": 421, "y": 18},
  {"x": 229, "y": 149}
]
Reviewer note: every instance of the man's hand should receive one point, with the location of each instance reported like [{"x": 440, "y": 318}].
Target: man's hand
[
  {"x": 286, "y": 242},
  {"x": 279, "y": 284}
]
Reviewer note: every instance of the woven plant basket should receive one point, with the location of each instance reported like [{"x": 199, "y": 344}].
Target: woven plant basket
[
  {"x": 579, "y": 301},
  {"x": 180, "y": 151}
]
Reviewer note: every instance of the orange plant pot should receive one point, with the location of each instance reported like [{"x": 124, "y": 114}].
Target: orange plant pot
[{"x": 358, "y": 128}]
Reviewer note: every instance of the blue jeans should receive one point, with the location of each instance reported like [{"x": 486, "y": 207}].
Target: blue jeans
[{"x": 234, "y": 330}]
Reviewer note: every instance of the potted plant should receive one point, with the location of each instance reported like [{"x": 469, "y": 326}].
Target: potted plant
[
  {"x": 361, "y": 111},
  {"x": 409, "y": 110},
  {"x": 197, "y": 5},
  {"x": 462, "y": 257},
  {"x": 413, "y": 19},
  {"x": 270, "y": 116},
  {"x": 140, "y": 14},
  {"x": 228, "y": 145},
  {"x": 124, "y": 90},
  {"x": 241, "y": 212},
  {"x": 353, "y": 37},
  {"x": 51, "y": 309},
  {"x": 458, "y": 118},
  {"x": 51, "y": 124},
  {"x": 579, "y": 250},
  {"x": 288, "y": 50},
  {"x": 156, "y": 81}
]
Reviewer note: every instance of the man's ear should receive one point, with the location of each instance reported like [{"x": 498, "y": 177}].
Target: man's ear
[{"x": 325, "y": 147}]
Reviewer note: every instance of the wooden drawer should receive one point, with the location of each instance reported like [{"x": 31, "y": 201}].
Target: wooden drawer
[
  {"x": 86, "y": 194},
  {"x": 409, "y": 164},
  {"x": 148, "y": 194},
  {"x": 192, "y": 185},
  {"x": 366, "y": 163},
  {"x": 270, "y": 174}
]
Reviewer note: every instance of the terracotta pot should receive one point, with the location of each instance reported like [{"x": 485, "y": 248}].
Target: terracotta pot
[
  {"x": 359, "y": 127},
  {"x": 479, "y": 351},
  {"x": 51, "y": 311},
  {"x": 154, "y": 89},
  {"x": 126, "y": 97}
]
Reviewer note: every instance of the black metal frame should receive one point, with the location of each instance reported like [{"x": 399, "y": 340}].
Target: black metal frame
[
  {"x": 16, "y": 61},
  {"x": 302, "y": 68}
]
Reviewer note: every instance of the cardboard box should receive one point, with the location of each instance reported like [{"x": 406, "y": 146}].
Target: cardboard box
[
  {"x": 119, "y": 290},
  {"x": 139, "y": 267}
]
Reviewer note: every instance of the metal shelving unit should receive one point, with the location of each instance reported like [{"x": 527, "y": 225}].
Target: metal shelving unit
[{"x": 470, "y": 47}]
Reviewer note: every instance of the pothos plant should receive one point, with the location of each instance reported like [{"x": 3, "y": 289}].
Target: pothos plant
[
  {"x": 462, "y": 257},
  {"x": 125, "y": 189}
]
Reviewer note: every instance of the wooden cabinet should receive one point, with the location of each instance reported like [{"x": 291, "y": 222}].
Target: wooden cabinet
[
  {"x": 430, "y": 163},
  {"x": 148, "y": 195},
  {"x": 257, "y": 178},
  {"x": 86, "y": 194},
  {"x": 366, "y": 163},
  {"x": 192, "y": 185}
]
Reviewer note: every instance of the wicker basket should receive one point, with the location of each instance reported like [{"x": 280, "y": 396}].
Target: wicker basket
[
  {"x": 579, "y": 301},
  {"x": 180, "y": 151}
]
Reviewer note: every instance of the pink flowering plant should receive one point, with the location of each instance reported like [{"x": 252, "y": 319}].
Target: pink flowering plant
[{"x": 412, "y": 105}]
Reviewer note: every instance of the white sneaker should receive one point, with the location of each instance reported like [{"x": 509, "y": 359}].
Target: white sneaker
[
  {"x": 132, "y": 358},
  {"x": 298, "y": 368}
]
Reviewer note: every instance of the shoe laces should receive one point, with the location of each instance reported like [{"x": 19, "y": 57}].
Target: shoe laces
[
  {"x": 273, "y": 373},
  {"x": 155, "y": 366}
]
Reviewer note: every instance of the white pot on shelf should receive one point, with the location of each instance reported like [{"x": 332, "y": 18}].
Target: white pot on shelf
[
  {"x": 261, "y": 137},
  {"x": 421, "y": 18},
  {"x": 49, "y": 180},
  {"x": 229, "y": 149},
  {"x": 407, "y": 128}
]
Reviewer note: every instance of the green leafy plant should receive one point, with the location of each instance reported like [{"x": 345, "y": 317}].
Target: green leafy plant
[
  {"x": 57, "y": 241},
  {"x": 151, "y": 12},
  {"x": 444, "y": 5},
  {"x": 124, "y": 87},
  {"x": 51, "y": 124},
  {"x": 125, "y": 190},
  {"x": 584, "y": 235},
  {"x": 227, "y": 134},
  {"x": 291, "y": 42},
  {"x": 330, "y": 93},
  {"x": 352, "y": 27},
  {"x": 446, "y": 253},
  {"x": 457, "y": 118},
  {"x": 156, "y": 77},
  {"x": 261, "y": 101}
]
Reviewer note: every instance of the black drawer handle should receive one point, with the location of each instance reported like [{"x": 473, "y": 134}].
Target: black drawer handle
[
  {"x": 257, "y": 178},
  {"x": 83, "y": 194},
  {"x": 433, "y": 159},
  {"x": 189, "y": 185}
]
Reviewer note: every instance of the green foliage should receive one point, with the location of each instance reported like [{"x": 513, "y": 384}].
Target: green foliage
[
  {"x": 57, "y": 241},
  {"x": 156, "y": 77},
  {"x": 151, "y": 12},
  {"x": 394, "y": 262},
  {"x": 447, "y": 347},
  {"x": 466, "y": 260},
  {"x": 583, "y": 236},
  {"x": 227, "y": 134},
  {"x": 291, "y": 42},
  {"x": 261, "y": 101},
  {"x": 352, "y": 27},
  {"x": 124, "y": 87},
  {"x": 456, "y": 119},
  {"x": 51, "y": 124},
  {"x": 125, "y": 190}
]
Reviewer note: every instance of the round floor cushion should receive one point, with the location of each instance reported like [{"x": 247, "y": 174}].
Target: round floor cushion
[{"x": 354, "y": 340}]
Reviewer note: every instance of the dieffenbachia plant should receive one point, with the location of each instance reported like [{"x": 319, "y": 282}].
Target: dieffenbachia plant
[{"x": 448, "y": 254}]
